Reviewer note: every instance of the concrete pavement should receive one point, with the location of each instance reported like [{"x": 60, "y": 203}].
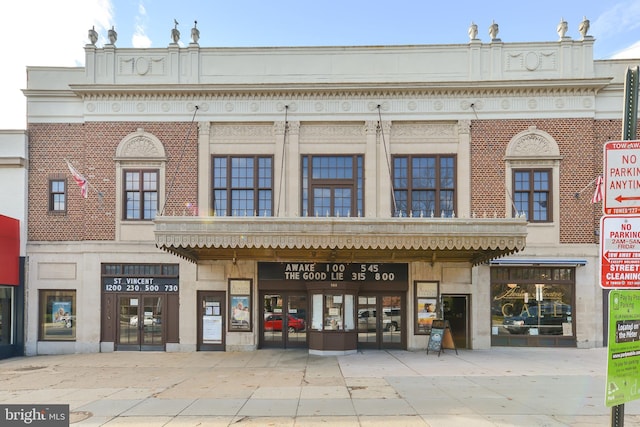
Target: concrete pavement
[{"x": 496, "y": 387}]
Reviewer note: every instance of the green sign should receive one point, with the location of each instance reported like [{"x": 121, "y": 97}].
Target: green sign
[{"x": 623, "y": 361}]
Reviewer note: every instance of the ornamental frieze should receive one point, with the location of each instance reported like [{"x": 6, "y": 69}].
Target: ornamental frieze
[{"x": 276, "y": 240}]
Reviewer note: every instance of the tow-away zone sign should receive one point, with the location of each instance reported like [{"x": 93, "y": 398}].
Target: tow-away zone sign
[
  {"x": 621, "y": 178},
  {"x": 620, "y": 251}
]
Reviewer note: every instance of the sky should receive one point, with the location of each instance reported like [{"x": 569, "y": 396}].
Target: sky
[{"x": 54, "y": 32}]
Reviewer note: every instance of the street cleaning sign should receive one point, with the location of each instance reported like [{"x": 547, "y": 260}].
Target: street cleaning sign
[
  {"x": 623, "y": 360},
  {"x": 620, "y": 251}
]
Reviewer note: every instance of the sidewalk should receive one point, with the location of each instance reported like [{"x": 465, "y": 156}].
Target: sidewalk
[{"x": 496, "y": 387}]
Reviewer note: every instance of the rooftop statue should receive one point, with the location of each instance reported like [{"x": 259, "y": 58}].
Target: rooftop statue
[
  {"x": 93, "y": 35},
  {"x": 493, "y": 31},
  {"x": 195, "y": 32},
  {"x": 113, "y": 36},
  {"x": 175, "y": 33},
  {"x": 473, "y": 31},
  {"x": 583, "y": 28},
  {"x": 562, "y": 28}
]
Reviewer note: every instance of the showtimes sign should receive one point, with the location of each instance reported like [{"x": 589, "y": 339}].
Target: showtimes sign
[{"x": 333, "y": 272}]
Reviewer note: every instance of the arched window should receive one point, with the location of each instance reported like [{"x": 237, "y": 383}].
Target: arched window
[
  {"x": 140, "y": 173},
  {"x": 532, "y": 178}
]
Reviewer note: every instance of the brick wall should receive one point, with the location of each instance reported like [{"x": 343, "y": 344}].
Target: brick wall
[
  {"x": 580, "y": 142},
  {"x": 91, "y": 148}
]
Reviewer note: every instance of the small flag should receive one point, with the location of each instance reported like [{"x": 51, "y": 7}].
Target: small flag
[
  {"x": 80, "y": 180},
  {"x": 597, "y": 195},
  {"x": 192, "y": 208}
]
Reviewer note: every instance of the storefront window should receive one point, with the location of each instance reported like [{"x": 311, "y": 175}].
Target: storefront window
[
  {"x": 333, "y": 312},
  {"x": 57, "y": 315},
  {"x": 426, "y": 303},
  {"x": 532, "y": 302},
  {"x": 5, "y": 314}
]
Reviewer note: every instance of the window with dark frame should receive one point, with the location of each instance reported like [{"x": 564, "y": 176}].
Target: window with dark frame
[
  {"x": 242, "y": 185},
  {"x": 424, "y": 186},
  {"x": 57, "y": 195},
  {"x": 57, "y": 315},
  {"x": 518, "y": 310},
  {"x": 333, "y": 186},
  {"x": 141, "y": 194},
  {"x": 532, "y": 194}
]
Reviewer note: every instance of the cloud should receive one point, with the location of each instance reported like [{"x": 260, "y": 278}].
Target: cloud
[
  {"x": 631, "y": 52},
  {"x": 623, "y": 17},
  {"x": 47, "y": 34},
  {"x": 140, "y": 38}
]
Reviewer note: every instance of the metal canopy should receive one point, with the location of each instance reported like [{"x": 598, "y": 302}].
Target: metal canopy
[{"x": 332, "y": 239}]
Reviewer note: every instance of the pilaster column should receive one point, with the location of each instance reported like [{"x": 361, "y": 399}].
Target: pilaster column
[
  {"x": 464, "y": 169},
  {"x": 292, "y": 170},
  {"x": 370, "y": 170},
  {"x": 279, "y": 169},
  {"x": 385, "y": 205},
  {"x": 204, "y": 170}
]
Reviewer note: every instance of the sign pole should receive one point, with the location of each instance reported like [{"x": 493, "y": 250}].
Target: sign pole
[
  {"x": 630, "y": 121},
  {"x": 629, "y": 129}
]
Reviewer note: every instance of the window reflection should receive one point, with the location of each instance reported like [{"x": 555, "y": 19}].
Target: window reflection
[{"x": 523, "y": 307}]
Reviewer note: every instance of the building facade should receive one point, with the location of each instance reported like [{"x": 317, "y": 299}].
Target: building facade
[
  {"x": 330, "y": 198},
  {"x": 13, "y": 214}
]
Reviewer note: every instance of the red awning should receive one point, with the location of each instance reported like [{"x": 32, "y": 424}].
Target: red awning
[{"x": 10, "y": 253}]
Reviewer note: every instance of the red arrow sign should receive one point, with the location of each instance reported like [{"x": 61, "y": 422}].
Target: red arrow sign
[
  {"x": 621, "y": 174},
  {"x": 620, "y": 255},
  {"x": 621, "y": 198}
]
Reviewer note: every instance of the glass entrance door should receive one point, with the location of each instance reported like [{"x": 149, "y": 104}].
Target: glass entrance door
[
  {"x": 211, "y": 320},
  {"x": 140, "y": 323},
  {"x": 456, "y": 309},
  {"x": 380, "y": 321},
  {"x": 284, "y": 320}
]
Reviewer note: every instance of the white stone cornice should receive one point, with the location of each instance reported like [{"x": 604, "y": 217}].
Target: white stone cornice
[{"x": 373, "y": 90}]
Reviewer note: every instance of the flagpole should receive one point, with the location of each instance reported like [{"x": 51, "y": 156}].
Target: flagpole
[
  {"x": 89, "y": 184},
  {"x": 586, "y": 187},
  {"x": 179, "y": 162}
]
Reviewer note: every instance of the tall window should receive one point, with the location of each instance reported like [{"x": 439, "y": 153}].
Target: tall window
[
  {"x": 57, "y": 195},
  {"x": 243, "y": 186},
  {"x": 424, "y": 185},
  {"x": 141, "y": 194},
  {"x": 332, "y": 186},
  {"x": 532, "y": 194}
]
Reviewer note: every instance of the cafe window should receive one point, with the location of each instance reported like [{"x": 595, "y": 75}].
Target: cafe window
[
  {"x": 532, "y": 302},
  {"x": 333, "y": 312},
  {"x": 57, "y": 315}
]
